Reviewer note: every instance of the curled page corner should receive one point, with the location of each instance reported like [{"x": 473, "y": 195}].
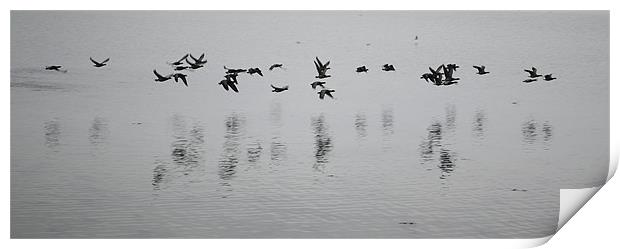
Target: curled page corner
[{"x": 571, "y": 200}]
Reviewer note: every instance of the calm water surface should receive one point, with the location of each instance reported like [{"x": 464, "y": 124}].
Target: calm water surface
[{"x": 107, "y": 152}]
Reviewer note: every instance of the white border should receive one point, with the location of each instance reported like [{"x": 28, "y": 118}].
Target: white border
[{"x": 283, "y": 5}]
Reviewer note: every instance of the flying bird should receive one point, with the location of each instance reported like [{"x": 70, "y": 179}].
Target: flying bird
[
  {"x": 275, "y": 66},
  {"x": 481, "y": 70},
  {"x": 199, "y": 60},
  {"x": 529, "y": 80},
  {"x": 234, "y": 71},
  {"x": 181, "y": 76},
  {"x": 548, "y": 77},
  {"x": 161, "y": 78},
  {"x": 388, "y": 67},
  {"x": 229, "y": 84},
  {"x": 327, "y": 92},
  {"x": 180, "y": 68},
  {"x": 321, "y": 69},
  {"x": 532, "y": 73},
  {"x": 318, "y": 83},
  {"x": 255, "y": 70},
  {"x": 361, "y": 69},
  {"x": 99, "y": 64},
  {"x": 180, "y": 61},
  {"x": 193, "y": 65},
  {"x": 279, "y": 89},
  {"x": 55, "y": 68}
]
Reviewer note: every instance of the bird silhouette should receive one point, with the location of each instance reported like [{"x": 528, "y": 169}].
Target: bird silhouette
[
  {"x": 181, "y": 76},
  {"x": 327, "y": 92},
  {"x": 99, "y": 64},
  {"x": 199, "y": 60},
  {"x": 388, "y": 67},
  {"x": 321, "y": 69},
  {"x": 361, "y": 69},
  {"x": 180, "y": 61},
  {"x": 318, "y": 83},
  {"x": 275, "y": 66},
  {"x": 229, "y": 84},
  {"x": 234, "y": 70},
  {"x": 548, "y": 77},
  {"x": 193, "y": 65},
  {"x": 180, "y": 68},
  {"x": 481, "y": 70},
  {"x": 529, "y": 80},
  {"x": 255, "y": 70},
  {"x": 55, "y": 68},
  {"x": 161, "y": 78},
  {"x": 533, "y": 73},
  {"x": 279, "y": 89}
]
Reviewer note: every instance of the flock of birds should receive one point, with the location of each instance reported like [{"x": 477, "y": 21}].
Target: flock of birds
[{"x": 441, "y": 76}]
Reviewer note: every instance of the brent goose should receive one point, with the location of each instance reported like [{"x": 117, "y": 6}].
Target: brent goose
[
  {"x": 193, "y": 65},
  {"x": 199, "y": 60},
  {"x": 234, "y": 71},
  {"x": 361, "y": 69},
  {"x": 181, "y": 76},
  {"x": 532, "y": 73},
  {"x": 55, "y": 68},
  {"x": 275, "y": 66},
  {"x": 327, "y": 92},
  {"x": 255, "y": 70},
  {"x": 318, "y": 83},
  {"x": 279, "y": 89},
  {"x": 548, "y": 77},
  {"x": 529, "y": 80},
  {"x": 321, "y": 69},
  {"x": 161, "y": 78},
  {"x": 99, "y": 64},
  {"x": 481, "y": 70},
  {"x": 180, "y": 61},
  {"x": 388, "y": 67},
  {"x": 229, "y": 84}
]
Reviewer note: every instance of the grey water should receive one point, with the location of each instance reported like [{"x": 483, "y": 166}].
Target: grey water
[{"x": 108, "y": 153}]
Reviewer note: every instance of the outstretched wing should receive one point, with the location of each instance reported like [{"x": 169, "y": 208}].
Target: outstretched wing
[
  {"x": 158, "y": 75},
  {"x": 260, "y": 73},
  {"x": 183, "y": 58},
  {"x": 106, "y": 60},
  {"x": 184, "y": 80},
  {"x": 274, "y": 88},
  {"x": 233, "y": 87},
  {"x": 319, "y": 61},
  {"x": 328, "y": 93},
  {"x": 224, "y": 83},
  {"x": 480, "y": 69},
  {"x": 202, "y": 56},
  {"x": 193, "y": 58},
  {"x": 96, "y": 63},
  {"x": 318, "y": 68}
]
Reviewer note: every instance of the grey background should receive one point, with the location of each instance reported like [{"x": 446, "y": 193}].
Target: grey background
[{"x": 106, "y": 152}]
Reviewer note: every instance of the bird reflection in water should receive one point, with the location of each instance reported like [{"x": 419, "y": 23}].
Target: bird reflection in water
[
  {"x": 230, "y": 156},
  {"x": 528, "y": 130},
  {"x": 433, "y": 140},
  {"x": 547, "y": 132},
  {"x": 532, "y": 134},
  {"x": 52, "y": 133},
  {"x": 186, "y": 154},
  {"x": 479, "y": 124},
  {"x": 98, "y": 131},
  {"x": 254, "y": 152},
  {"x": 450, "y": 117},
  {"x": 360, "y": 125},
  {"x": 278, "y": 151},
  {"x": 433, "y": 149},
  {"x": 387, "y": 121},
  {"x": 322, "y": 143},
  {"x": 446, "y": 162}
]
